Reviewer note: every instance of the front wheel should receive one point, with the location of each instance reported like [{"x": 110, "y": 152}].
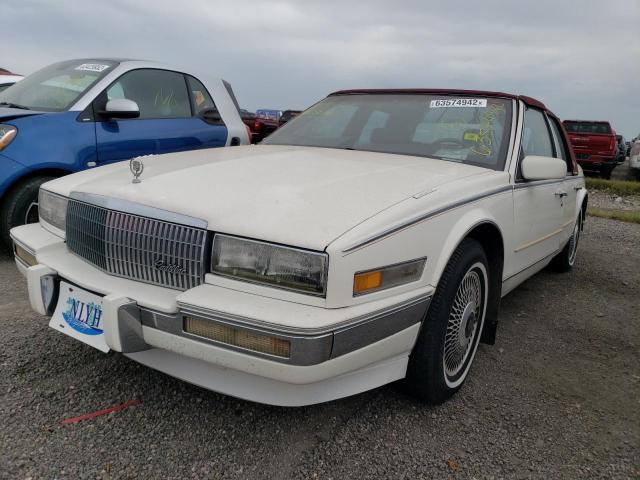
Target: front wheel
[
  {"x": 20, "y": 206},
  {"x": 448, "y": 340}
]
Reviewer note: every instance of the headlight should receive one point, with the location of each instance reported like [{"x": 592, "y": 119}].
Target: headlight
[
  {"x": 386, "y": 277},
  {"x": 274, "y": 265},
  {"x": 52, "y": 208},
  {"x": 7, "y": 134}
]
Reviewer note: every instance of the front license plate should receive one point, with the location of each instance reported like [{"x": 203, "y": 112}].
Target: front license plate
[{"x": 79, "y": 315}]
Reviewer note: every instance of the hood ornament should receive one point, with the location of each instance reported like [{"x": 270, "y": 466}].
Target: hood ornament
[{"x": 137, "y": 167}]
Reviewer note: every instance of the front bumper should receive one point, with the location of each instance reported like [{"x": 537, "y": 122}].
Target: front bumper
[{"x": 334, "y": 352}]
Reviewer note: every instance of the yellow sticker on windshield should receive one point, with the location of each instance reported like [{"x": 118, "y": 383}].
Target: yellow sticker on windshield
[
  {"x": 471, "y": 137},
  {"x": 484, "y": 145}
]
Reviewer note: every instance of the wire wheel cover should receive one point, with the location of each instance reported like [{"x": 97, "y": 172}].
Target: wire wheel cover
[
  {"x": 464, "y": 319},
  {"x": 573, "y": 243}
]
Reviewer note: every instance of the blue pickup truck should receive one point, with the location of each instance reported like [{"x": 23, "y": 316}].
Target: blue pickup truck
[{"x": 80, "y": 114}]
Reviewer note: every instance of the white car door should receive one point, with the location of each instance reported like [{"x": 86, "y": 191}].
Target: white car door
[
  {"x": 571, "y": 183},
  {"x": 538, "y": 205}
]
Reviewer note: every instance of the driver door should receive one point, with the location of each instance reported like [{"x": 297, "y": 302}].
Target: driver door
[
  {"x": 168, "y": 120},
  {"x": 538, "y": 205}
]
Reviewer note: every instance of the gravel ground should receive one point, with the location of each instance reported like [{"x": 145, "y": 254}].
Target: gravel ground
[
  {"x": 556, "y": 397},
  {"x": 602, "y": 199}
]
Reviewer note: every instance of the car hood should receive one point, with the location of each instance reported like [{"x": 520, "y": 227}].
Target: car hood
[
  {"x": 300, "y": 196},
  {"x": 7, "y": 113}
]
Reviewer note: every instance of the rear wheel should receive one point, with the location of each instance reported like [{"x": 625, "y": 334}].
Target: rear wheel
[
  {"x": 605, "y": 172},
  {"x": 566, "y": 259},
  {"x": 20, "y": 206},
  {"x": 451, "y": 331}
]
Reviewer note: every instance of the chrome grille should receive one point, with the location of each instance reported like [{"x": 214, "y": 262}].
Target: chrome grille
[{"x": 137, "y": 247}]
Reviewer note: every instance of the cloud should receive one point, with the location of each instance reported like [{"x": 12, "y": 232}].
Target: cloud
[{"x": 579, "y": 57}]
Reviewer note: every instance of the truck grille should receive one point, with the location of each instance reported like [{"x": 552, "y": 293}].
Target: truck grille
[{"x": 136, "y": 247}]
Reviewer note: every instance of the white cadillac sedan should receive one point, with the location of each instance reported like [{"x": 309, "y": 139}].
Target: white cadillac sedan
[{"x": 367, "y": 241}]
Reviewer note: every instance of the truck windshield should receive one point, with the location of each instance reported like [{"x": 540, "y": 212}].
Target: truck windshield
[
  {"x": 588, "y": 127},
  {"x": 57, "y": 87},
  {"x": 465, "y": 129}
]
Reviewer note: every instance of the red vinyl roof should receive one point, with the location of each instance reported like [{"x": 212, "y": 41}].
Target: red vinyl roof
[{"x": 440, "y": 91}]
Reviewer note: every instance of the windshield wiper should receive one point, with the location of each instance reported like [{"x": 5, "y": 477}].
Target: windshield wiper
[{"x": 13, "y": 105}]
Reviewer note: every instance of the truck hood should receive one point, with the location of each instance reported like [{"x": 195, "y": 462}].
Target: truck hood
[{"x": 299, "y": 196}]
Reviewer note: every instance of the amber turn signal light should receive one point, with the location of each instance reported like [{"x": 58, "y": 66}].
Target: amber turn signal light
[
  {"x": 387, "y": 277},
  {"x": 366, "y": 281}
]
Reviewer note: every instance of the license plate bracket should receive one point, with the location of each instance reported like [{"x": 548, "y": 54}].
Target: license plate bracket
[{"x": 79, "y": 314}]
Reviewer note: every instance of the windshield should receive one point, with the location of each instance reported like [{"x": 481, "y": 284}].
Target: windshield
[
  {"x": 465, "y": 129},
  {"x": 57, "y": 87}
]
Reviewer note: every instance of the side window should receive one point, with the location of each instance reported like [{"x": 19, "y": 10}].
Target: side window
[
  {"x": 115, "y": 91},
  {"x": 199, "y": 96},
  {"x": 560, "y": 144},
  {"x": 158, "y": 93},
  {"x": 535, "y": 135}
]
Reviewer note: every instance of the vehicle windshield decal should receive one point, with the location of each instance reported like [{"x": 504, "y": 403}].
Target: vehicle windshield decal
[
  {"x": 458, "y": 102},
  {"x": 92, "y": 67},
  {"x": 484, "y": 143}
]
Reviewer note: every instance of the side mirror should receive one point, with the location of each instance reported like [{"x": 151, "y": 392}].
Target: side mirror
[
  {"x": 121, "y": 108},
  {"x": 534, "y": 167}
]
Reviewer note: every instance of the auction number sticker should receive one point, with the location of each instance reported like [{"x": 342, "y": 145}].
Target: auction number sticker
[
  {"x": 459, "y": 102},
  {"x": 92, "y": 67}
]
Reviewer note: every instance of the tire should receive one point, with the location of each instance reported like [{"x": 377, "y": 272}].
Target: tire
[
  {"x": 18, "y": 207},
  {"x": 448, "y": 340},
  {"x": 566, "y": 259},
  {"x": 605, "y": 172}
]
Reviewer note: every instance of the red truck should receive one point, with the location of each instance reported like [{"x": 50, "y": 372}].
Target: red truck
[{"x": 594, "y": 144}]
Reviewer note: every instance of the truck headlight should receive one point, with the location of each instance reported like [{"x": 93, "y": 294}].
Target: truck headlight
[
  {"x": 274, "y": 265},
  {"x": 52, "y": 208},
  {"x": 7, "y": 134}
]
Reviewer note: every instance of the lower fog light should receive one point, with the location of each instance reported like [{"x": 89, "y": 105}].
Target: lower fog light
[{"x": 239, "y": 338}]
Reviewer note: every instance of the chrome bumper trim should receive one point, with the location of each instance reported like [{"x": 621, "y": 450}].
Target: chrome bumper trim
[
  {"x": 310, "y": 348},
  {"x": 201, "y": 312}
]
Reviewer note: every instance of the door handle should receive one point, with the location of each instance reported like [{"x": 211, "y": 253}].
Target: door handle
[{"x": 560, "y": 194}]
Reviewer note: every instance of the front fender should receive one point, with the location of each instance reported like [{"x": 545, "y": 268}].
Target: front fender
[
  {"x": 465, "y": 225},
  {"x": 10, "y": 171}
]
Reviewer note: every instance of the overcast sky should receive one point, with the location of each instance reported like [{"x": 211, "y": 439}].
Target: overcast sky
[{"x": 580, "y": 57}]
